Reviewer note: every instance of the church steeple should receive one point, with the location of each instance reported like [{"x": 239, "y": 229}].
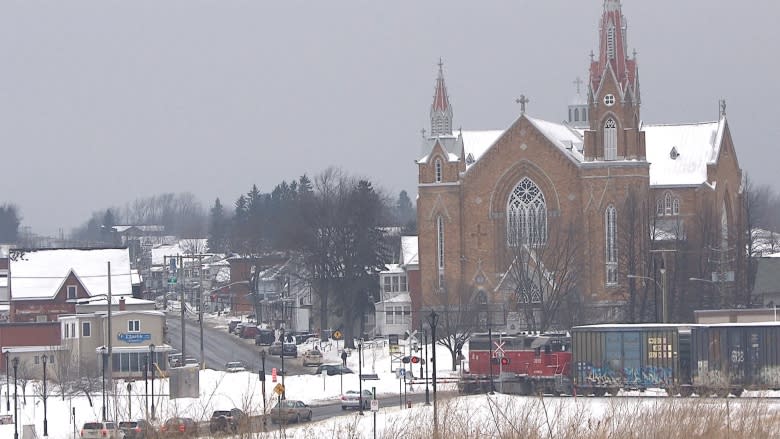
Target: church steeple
[
  {"x": 613, "y": 51},
  {"x": 441, "y": 111},
  {"x": 613, "y": 94}
]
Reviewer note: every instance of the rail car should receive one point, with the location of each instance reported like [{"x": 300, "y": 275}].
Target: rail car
[
  {"x": 523, "y": 364},
  {"x": 685, "y": 359}
]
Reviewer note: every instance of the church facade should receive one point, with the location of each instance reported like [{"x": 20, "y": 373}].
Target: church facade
[{"x": 597, "y": 218}]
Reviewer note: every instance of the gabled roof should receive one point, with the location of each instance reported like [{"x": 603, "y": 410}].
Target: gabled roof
[
  {"x": 696, "y": 145},
  {"x": 39, "y": 274}
]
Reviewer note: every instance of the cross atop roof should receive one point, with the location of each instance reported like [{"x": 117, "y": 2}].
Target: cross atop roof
[
  {"x": 522, "y": 100},
  {"x": 578, "y": 82}
]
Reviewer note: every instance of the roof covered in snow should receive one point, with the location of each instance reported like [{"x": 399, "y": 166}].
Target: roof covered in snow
[
  {"x": 679, "y": 154},
  {"x": 39, "y": 274},
  {"x": 181, "y": 247},
  {"x": 409, "y": 250}
]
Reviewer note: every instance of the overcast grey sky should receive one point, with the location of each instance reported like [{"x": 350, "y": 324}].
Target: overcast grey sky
[{"x": 102, "y": 101}]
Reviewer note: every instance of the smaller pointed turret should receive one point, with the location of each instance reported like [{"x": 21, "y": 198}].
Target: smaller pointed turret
[{"x": 441, "y": 110}]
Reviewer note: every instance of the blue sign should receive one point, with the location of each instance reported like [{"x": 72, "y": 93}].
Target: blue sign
[{"x": 134, "y": 337}]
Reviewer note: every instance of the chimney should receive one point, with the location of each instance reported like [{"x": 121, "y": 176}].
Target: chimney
[{"x": 121, "y": 303}]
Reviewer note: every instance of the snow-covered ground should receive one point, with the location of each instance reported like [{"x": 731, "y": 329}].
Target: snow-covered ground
[{"x": 220, "y": 390}]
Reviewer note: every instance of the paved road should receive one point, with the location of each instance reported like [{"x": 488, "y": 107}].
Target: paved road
[{"x": 221, "y": 347}]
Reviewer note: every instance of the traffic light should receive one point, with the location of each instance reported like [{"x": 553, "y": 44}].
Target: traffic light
[
  {"x": 494, "y": 360},
  {"x": 415, "y": 360},
  {"x": 504, "y": 361},
  {"x": 405, "y": 360}
]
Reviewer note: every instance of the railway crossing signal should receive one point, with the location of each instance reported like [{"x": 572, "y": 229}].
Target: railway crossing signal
[{"x": 504, "y": 361}]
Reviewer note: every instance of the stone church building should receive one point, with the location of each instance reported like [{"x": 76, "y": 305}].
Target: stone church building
[{"x": 598, "y": 218}]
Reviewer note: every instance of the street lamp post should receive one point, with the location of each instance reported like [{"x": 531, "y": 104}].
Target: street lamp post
[
  {"x": 8, "y": 385},
  {"x": 262, "y": 380},
  {"x": 360, "y": 375},
  {"x": 281, "y": 354},
  {"x": 16, "y": 408},
  {"x": 129, "y": 401},
  {"x": 45, "y": 418},
  {"x": 664, "y": 315},
  {"x": 152, "y": 363},
  {"x": 103, "y": 380},
  {"x": 146, "y": 388},
  {"x": 433, "y": 320}
]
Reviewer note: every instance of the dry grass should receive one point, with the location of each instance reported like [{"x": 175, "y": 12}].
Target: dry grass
[{"x": 574, "y": 418}]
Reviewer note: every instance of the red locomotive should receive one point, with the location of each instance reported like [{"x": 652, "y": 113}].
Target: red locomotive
[{"x": 522, "y": 364}]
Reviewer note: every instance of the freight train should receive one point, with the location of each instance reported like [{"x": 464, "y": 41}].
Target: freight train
[{"x": 705, "y": 359}]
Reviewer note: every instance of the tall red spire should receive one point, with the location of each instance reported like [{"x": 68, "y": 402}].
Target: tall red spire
[
  {"x": 441, "y": 111},
  {"x": 613, "y": 49}
]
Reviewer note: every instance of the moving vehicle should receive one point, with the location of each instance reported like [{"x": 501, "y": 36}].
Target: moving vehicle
[
  {"x": 312, "y": 357},
  {"x": 333, "y": 369},
  {"x": 139, "y": 429},
  {"x": 234, "y": 366},
  {"x": 102, "y": 430},
  {"x": 290, "y": 350},
  {"x": 265, "y": 337},
  {"x": 189, "y": 361},
  {"x": 238, "y": 328},
  {"x": 175, "y": 360},
  {"x": 351, "y": 399},
  {"x": 249, "y": 331},
  {"x": 228, "y": 421},
  {"x": 232, "y": 325},
  {"x": 289, "y": 410},
  {"x": 179, "y": 427}
]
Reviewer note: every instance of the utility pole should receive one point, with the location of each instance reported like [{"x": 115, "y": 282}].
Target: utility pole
[
  {"x": 182, "y": 306},
  {"x": 109, "y": 335},
  {"x": 200, "y": 311}
]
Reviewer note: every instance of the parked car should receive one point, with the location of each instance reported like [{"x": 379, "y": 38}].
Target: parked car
[
  {"x": 179, "y": 427},
  {"x": 174, "y": 360},
  {"x": 290, "y": 350},
  {"x": 239, "y": 327},
  {"x": 302, "y": 337},
  {"x": 351, "y": 399},
  {"x": 312, "y": 357},
  {"x": 289, "y": 410},
  {"x": 102, "y": 430},
  {"x": 333, "y": 369},
  {"x": 264, "y": 337},
  {"x": 232, "y": 325},
  {"x": 275, "y": 348},
  {"x": 191, "y": 361},
  {"x": 249, "y": 331},
  {"x": 228, "y": 421},
  {"x": 139, "y": 429},
  {"x": 234, "y": 366}
]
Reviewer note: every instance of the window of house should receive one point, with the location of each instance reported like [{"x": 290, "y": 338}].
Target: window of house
[
  {"x": 395, "y": 283},
  {"x": 404, "y": 287},
  {"x": 37, "y": 359},
  {"x": 676, "y": 206},
  {"x": 388, "y": 287},
  {"x": 610, "y": 220},
  {"x": 610, "y": 139},
  {"x": 437, "y": 165},
  {"x": 133, "y": 326},
  {"x": 41, "y": 319},
  {"x": 72, "y": 291},
  {"x": 527, "y": 215},
  {"x": 51, "y": 359},
  {"x": 86, "y": 329},
  {"x": 659, "y": 208}
]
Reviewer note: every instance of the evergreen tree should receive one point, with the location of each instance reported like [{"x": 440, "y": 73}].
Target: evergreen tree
[
  {"x": 218, "y": 229},
  {"x": 9, "y": 224}
]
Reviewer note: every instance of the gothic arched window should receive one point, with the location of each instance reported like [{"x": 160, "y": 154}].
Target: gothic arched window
[
  {"x": 611, "y": 41},
  {"x": 526, "y": 215},
  {"x": 667, "y": 204},
  {"x": 576, "y": 114},
  {"x": 610, "y": 139},
  {"x": 610, "y": 221},
  {"x": 676, "y": 206},
  {"x": 437, "y": 166},
  {"x": 724, "y": 228},
  {"x": 530, "y": 293},
  {"x": 481, "y": 298}
]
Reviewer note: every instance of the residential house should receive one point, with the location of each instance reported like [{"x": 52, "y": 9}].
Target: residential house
[{"x": 48, "y": 282}]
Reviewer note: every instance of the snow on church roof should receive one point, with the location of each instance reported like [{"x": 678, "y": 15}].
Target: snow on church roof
[
  {"x": 39, "y": 274},
  {"x": 475, "y": 143},
  {"x": 695, "y": 145},
  {"x": 561, "y": 135}
]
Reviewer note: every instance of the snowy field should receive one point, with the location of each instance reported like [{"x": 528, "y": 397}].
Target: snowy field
[{"x": 476, "y": 416}]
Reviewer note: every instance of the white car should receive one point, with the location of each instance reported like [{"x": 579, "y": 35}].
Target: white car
[{"x": 235, "y": 366}]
